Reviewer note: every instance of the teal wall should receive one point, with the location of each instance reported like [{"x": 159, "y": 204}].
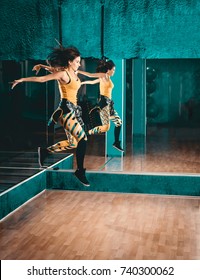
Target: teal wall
[
  {"x": 81, "y": 26},
  {"x": 127, "y": 183},
  {"x": 152, "y": 28},
  {"x": 28, "y": 28},
  {"x": 133, "y": 28}
]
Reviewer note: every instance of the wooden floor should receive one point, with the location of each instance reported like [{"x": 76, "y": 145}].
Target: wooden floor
[
  {"x": 89, "y": 225},
  {"x": 93, "y": 226}
]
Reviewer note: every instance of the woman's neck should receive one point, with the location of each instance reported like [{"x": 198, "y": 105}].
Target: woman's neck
[
  {"x": 107, "y": 77},
  {"x": 72, "y": 72}
]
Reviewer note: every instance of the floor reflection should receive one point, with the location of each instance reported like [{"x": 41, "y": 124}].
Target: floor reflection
[
  {"x": 163, "y": 151},
  {"x": 17, "y": 166}
]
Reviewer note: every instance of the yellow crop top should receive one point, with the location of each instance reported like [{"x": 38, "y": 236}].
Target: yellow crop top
[
  {"x": 69, "y": 91},
  {"x": 106, "y": 88}
]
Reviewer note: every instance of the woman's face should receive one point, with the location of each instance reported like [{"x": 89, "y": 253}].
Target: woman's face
[
  {"x": 75, "y": 64},
  {"x": 111, "y": 72}
]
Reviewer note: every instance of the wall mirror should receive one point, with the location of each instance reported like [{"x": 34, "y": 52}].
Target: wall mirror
[
  {"x": 173, "y": 116},
  {"x": 160, "y": 95}
]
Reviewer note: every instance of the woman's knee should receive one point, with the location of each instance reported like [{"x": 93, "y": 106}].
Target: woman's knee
[{"x": 105, "y": 127}]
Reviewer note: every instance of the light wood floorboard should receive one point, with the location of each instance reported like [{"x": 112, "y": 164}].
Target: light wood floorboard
[{"x": 107, "y": 226}]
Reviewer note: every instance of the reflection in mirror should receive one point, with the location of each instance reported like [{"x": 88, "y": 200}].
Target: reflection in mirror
[
  {"x": 111, "y": 97},
  {"x": 173, "y": 115}
]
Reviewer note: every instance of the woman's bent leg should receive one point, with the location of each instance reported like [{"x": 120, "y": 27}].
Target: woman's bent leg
[{"x": 105, "y": 119}]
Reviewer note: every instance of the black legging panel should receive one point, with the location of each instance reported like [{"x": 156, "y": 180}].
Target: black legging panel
[{"x": 80, "y": 153}]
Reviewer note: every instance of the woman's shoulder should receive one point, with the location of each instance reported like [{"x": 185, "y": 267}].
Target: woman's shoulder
[
  {"x": 103, "y": 80},
  {"x": 64, "y": 76}
]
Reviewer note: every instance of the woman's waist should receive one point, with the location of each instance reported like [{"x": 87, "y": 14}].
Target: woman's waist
[
  {"x": 107, "y": 97},
  {"x": 69, "y": 98},
  {"x": 66, "y": 102},
  {"x": 106, "y": 94}
]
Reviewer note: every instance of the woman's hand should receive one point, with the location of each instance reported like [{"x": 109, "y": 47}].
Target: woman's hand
[
  {"x": 15, "y": 82},
  {"x": 45, "y": 67},
  {"x": 37, "y": 68}
]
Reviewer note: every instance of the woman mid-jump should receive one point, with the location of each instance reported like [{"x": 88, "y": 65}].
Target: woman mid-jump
[{"x": 65, "y": 63}]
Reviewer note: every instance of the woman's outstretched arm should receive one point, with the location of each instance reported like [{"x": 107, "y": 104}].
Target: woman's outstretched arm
[
  {"x": 92, "y": 75},
  {"x": 41, "y": 79},
  {"x": 90, "y": 82}
]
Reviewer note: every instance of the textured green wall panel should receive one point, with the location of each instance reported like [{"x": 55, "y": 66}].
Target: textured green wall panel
[
  {"x": 152, "y": 28},
  {"x": 127, "y": 183},
  {"x": 81, "y": 26},
  {"x": 133, "y": 28},
  {"x": 28, "y": 28}
]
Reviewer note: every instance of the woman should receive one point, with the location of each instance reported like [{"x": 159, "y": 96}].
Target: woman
[
  {"x": 106, "y": 105},
  {"x": 64, "y": 63}
]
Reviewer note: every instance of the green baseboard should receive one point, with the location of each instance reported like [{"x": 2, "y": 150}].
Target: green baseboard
[
  {"x": 21, "y": 193},
  {"x": 14, "y": 197},
  {"x": 127, "y": 183}
]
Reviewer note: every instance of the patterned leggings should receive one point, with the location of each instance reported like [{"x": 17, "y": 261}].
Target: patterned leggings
[
  {"x": 107, "y": 114},
  {"x": 69, "y": 116}
]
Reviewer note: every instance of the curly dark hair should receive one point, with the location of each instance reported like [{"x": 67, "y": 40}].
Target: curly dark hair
[
  {"x": 104, "y": 66},
  {"x": 61, "y": 56}
]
